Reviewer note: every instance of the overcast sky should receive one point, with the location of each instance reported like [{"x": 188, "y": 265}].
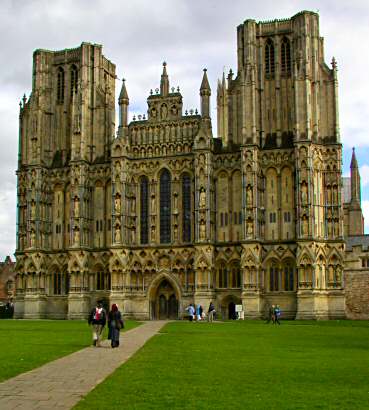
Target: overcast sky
[{"x": 138, "y": 35}]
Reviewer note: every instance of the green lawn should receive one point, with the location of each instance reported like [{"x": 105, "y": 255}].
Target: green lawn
[
  {"x": 26, "y": 344},
  {"x": 244, "y": 365}
]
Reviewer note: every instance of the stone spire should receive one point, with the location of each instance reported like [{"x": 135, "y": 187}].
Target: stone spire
[
  {"x": 123, "y": 107},
  {"x": 355, "y": 179},
  {"x": 164, "y": 82},
  {"x": 205, "y": 93}
]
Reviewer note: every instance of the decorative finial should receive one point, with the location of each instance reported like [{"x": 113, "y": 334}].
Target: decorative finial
[
  {"x": 164, "y": 63},
  {"x": 186, "y": 112},
  {"x": 196, "y": 112},
  {"x": 205, "y": 70},
  {"x": 191, "y": 111},
  {"x": 178, "y": 89},
  {"x": 151, "y": 92},
  {"x": 139, "y": 117},
  {"x": 334, "y": 63},
  {"x": 173, "y": 89},
  {"x": 144, "y": 117},
  {"x": 157, "y": 90},
  {"x": 134, "y": 118}
]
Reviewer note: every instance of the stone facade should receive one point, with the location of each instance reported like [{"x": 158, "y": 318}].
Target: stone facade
[
  {"x": 7, "y": 280},
  {"x": 163, "y": 214}
]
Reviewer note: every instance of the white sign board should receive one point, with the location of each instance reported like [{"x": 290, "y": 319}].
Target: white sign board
[{"x": 239, "y": 308}]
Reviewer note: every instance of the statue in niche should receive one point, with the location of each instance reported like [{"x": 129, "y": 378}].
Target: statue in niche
[
  {"x": 33, "y": 209},
  {"x": 117, "y": 234},
  {"x": 304, "y": 193},
  {"x": 175, "y": 232},
  {"x": 76, "y": 236},
  {"x": 34, "y": 147},
  {"x": 153, "y": 112},
  {"x": 175, "y": 201},
  {"x": 152, "y": 233},
  {"x": 174, "y": 110},
  {"x": 76, "y": 207},
  {"x": 33, "y": 239},
  {"x": 133, "y": 204},
  {"x": 249, "y": 228},
  {"x": 117, "y": 203},
  {"x": 77, "y": 123},
  {"x": 249, "y": 196},
  {"x": 202, "y": 230},
  {"x": 133, "y": 234},
  {"x": 305, "y": 227},
  {"x": 164, "y": 112},
  {"x": 152, "y": 204},
  {"x": 202, "y": 200}
]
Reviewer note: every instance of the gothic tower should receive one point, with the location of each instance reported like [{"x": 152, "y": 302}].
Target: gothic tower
[{"x": 282, "y": 110}]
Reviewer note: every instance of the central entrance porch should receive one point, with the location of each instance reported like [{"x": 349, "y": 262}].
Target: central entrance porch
[{"x": 164, "y": 304}]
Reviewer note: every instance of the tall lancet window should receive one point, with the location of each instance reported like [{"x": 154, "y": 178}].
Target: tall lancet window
[
  {"x": 165, "y": 207},
  {"x": 73, "y": 80},
  {"x": 286, "y": 56},
  {"x": 269, "y": 57},
  {"x": 60, "y": 86},
  {"x": 186, "y": 207},
  {"x": 144, "y": 215}
]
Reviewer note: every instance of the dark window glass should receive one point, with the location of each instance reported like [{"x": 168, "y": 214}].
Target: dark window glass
[
  {"x": 57, "y": 284},
  {"x": 273, "y": 278},
  {"x": 144, "y": 189},
  {"x": 186, "y": 206},
  {"x": 165, "y": 207},
  {"x": 60, "y": 86},
  {"x": 221, "y": 219},
  {"x": 269, "y": 57},
  {"x": 285, "y": 56},
  {"x": 240, "y": 218},
  {"x": 97, "y": 226},
  {"x": 226, "y": 218},
  {"x": 73, "y": 80}
]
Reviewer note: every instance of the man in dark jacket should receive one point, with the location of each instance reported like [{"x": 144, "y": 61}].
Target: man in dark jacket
[
  {"x": 97, "y": 319},
  {"x": 211, "y": 312}
]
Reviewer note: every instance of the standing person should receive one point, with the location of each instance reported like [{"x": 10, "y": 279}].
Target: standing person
[
  {"x": 115, "y": 323},
  {"x": 277, "y": 314},
  {"x": 191, "y": 312},
  {"x": 211, "y": 312},
  {"x": 271, "y": 314},
  {"x": 201, "y": 312},
  {"x": 97, "y": 319},
  {"x": 198, "y": 312}
]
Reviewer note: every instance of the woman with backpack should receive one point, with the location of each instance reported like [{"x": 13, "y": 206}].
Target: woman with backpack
[{"x": 115, "y": 323}]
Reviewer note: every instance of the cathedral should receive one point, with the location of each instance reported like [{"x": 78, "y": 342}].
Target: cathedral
[{"x": 160, "y": 212}]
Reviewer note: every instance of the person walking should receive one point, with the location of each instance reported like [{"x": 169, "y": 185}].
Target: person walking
[
  {"x": 115, "y": 323},
  {"x": 271, "y": 314},
  {"x": 97, "y": 318},
  {"x": 211, "y": 312},
  {"x": 277, "y": 314}
]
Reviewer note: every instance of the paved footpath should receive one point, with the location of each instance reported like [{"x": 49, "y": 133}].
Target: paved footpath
[{"x": 62, "y": 383}]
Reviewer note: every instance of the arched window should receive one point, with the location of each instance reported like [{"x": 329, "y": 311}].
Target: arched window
[
  {"x": 222, "y": 275},
  {"x": 286, "y": 56},
  {"x": 269, "y": 57},
  {"x": 273, "y": 278},
  {"x": 165, "y": 207},
  {"x": 186, "y": 207},
  {"x": 57, "y": 283},
  {"x": 73, "y": 80},
  {"x": 144, "y": 217},
  {"x": 60, "y": 86},
  {"x": 288, "y": 277}
]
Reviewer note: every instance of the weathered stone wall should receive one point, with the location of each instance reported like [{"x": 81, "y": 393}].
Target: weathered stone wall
[{"x": 357, "y": 294}]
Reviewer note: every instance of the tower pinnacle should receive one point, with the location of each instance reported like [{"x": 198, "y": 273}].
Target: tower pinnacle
[{"x": 164, "y": 82}]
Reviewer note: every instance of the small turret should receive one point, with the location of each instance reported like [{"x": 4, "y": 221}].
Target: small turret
[
  {"x": 164, "y": 82},
  {"x": 205, "y": 93},
  {"x": 123, "y": 106},
  {"x": 355, "y": 179}
]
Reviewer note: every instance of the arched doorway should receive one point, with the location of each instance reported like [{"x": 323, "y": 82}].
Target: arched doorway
[
  {"x": 228, "y": 307},
  {"x": 232, "y": 311},
  {"x": 165, "y": 303}
]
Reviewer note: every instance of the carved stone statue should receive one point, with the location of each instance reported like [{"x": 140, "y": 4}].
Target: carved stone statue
[
  {"x": 175, "y": 201},
  {"x": 250, "y": 228},
  {"x": 153, "y": 233},
  {"x": 164, "y": 112},
  {"x": 202, "y": 200},
  {"x": 336, "y": 227},
  {"x": 175, "y": 232},
  {"x": 153, "y": 112},
  {"x": 202, "y": 230},
  {"x": 304, "y": 193},
  {"x": 305, "y": 227},
  {"x": 249, "y": 196},
  {"x": 76, "y": 236},
  {"x": 33, "y": 239},
  {"x": 117, "y": 204},
  {"x": 152, "y": 204},
  {"x": 76, "y": 207},
  {"x": 33, "y": 209},
  {"x": 117, "y": 234}
]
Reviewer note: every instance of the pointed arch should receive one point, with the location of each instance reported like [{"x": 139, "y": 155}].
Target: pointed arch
[
  {"x": 73, "y": 80},
  {"x": 269, "y": 57},
  {"x": 286, "y": 56}
]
